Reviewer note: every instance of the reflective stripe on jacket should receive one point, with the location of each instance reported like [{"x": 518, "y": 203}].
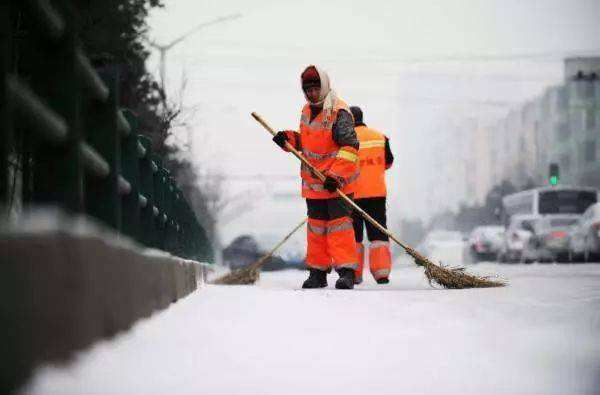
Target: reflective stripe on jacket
[{"x": 322, "y": 151}]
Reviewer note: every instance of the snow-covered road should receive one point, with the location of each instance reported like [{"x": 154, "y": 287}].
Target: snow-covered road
[{"x": 540, "y": 335}]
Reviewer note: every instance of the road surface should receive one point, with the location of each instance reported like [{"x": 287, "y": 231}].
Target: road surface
[{"x": 540, "y": 335}]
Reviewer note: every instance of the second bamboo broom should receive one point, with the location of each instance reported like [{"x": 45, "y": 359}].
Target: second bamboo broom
[
  {"x": 455, "y": 278},
  {"x": 250, "y": 274}
]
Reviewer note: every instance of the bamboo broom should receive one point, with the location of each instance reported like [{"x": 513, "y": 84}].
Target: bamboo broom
[
  {"x": 250, "y": 274},
  {"x": 453, "y": 278}
]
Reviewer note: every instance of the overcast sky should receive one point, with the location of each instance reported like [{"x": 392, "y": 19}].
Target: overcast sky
[{"x": 411, "y": 65}]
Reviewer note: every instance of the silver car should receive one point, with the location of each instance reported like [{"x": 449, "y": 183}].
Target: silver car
[
  {"x": 443, "y": 245},
  {"x": 484, "y": 243},
  {"x": 549, "y": 241},
  {"x": 516, "y": 236},
  {"x": 584, "y": 243}
]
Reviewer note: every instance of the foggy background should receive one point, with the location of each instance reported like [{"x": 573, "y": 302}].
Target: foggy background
[{"x": 423, "y": 72}]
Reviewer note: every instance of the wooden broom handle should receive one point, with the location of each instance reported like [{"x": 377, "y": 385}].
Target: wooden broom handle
[
  {"x": 321, "y": 177},
  {"x": 289, "y": 147},
  {"x": 269, "y": 254}
]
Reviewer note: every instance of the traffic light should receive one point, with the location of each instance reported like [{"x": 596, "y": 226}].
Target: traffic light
[{"x": 554, "y": 173}]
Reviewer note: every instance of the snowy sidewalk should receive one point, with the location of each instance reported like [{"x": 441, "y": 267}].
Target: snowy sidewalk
[{"x": 540, "y": 335}]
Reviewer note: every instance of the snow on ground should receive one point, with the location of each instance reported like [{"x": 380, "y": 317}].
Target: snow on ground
[{"x": 540, "y": 335}]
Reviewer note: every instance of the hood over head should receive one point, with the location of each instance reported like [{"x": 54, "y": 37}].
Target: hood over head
[{"x": 315, "y": 76}]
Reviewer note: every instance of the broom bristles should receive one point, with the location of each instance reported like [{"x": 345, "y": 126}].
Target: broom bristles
[
  {"x": 454, "y": 278},
  {"x": 244, "y": 276},
  {"x": 250, "y": 274}
]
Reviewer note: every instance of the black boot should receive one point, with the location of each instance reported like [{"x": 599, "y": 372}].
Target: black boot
[
  {"x": 383, "y": 280},
  {"x": 316, "y": 279},
  {"x": 346, "y": 280}
]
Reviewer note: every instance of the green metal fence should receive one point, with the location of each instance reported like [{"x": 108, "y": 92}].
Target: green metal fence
[{"x": 63, "y": 135}]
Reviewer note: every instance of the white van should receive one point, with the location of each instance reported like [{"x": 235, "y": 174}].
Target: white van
[{"x": 563, "y": 200}]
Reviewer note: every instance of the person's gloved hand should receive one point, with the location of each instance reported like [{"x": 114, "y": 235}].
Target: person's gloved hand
[
  {"x": 280, "y": 138},
  {"x": 331, "y": 184}
]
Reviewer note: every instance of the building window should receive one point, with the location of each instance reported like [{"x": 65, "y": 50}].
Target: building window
[
  {"x": 565, "y": 164},
  {"x": 584, "y": 89},
  {"x": 563, "y": 131},
  {"x": 562, "y": 99},
  {"x": 589, "y": 119},
  {"x": 589, "y": 151},
  {"x": 577, "y": 119}
]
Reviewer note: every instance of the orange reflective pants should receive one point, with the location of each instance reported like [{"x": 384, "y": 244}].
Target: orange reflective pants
[
  {"x": 330, "y": 235},
  {"x": 380, "y": 257},
  {"x": 360, "y": 251}
]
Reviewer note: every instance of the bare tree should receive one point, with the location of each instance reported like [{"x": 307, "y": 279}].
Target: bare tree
[{"x": 203, "y": 186}]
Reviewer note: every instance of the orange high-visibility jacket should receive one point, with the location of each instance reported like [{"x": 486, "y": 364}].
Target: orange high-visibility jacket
[
  {"x": 321, "y": 150},
  {"x": 371, "y": 182}
]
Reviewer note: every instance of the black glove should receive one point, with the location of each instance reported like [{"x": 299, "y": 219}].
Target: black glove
[
  {"x": 280, "y": 138},
  {"x": 331, "y": 184}
]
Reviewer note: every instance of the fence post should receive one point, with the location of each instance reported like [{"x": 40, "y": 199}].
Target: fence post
[
  {"x": 188, "y": 230},
  {"x": 168, "y": 203},
  {"x": 160, "y": 197},
  {"x": 5, "y": 112},
  {"x": 130, "y": 159},
  {"x": 171, "y": 225},
  {"x": 148, "y": 231},
  {"x": 180, "y": 220},
  {"x": 201, "y": 243},
  {"x": 102, "y": 194},
  {"x": 58, "y": 170}
]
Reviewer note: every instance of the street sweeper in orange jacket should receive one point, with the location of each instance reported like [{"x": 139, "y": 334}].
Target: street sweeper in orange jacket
[
  {"x": 328, "y": 141},
  {"x": 375, "y": 157}
]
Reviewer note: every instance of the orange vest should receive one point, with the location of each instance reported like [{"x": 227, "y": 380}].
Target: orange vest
[
  {"x": 371, "y": 182},
  {"x": 319, "y": 148}
]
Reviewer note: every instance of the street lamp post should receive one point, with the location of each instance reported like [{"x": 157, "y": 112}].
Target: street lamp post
[{"x": 166, "y": 47}]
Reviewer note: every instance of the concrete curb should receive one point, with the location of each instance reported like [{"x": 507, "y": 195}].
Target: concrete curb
[{"x": 61, "y": 292}]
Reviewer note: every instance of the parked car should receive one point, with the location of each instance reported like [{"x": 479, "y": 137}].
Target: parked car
[
  {"x": 443, "y": 245},
  {"x": 516, "y": 236},
  {"x": 483, "y": 243},
  {"x": 584, "y": 241},
  {"x": 549, "y": 241}
]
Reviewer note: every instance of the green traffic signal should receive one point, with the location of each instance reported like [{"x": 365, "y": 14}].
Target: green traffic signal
[{"x": 554, "y": 172}]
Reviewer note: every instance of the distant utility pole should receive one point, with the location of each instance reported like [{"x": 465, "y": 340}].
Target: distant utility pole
[{"x": 164, "y": 48}]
